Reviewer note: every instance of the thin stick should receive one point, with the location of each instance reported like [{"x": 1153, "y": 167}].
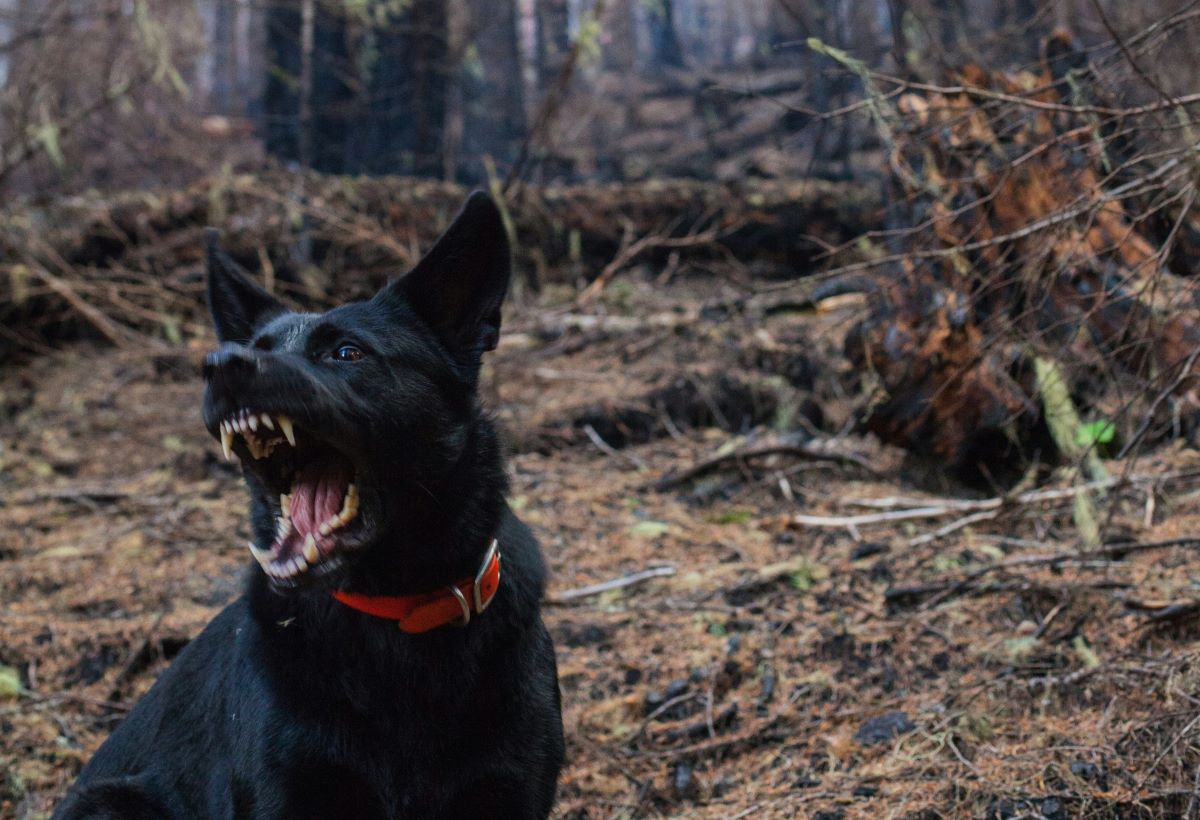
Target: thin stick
[
  {"x": 568, "y": 595},
  {"x": 954, "y": 506},
  {"x": 1109, "y": 550},
  {"x": 953, "y": 526},
  {"x": 93, "y": 316},
  {"x": 606, "y": 448},
  {"x": 632, "y": 250},
  {"x": 805, "y": 451}
]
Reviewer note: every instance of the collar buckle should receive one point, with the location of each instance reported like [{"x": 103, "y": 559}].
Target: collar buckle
[
  {"x": 493, "y": 551},
  {"x": 462, "y": 602},
  {"x": 452, "y": 604}
]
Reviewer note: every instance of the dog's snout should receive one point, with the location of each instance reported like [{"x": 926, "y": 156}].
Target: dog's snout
[{"x": 230, "y": 362}]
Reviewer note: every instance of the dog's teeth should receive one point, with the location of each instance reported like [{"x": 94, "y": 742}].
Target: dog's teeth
[
  {"x": 311, "y": 554},
  {"x": 325, "y": 528},
  {"x": 285, "y": 526},
  {"x": 263, "y": 557},
  {"x": 285, "y": 424},
  {"x": 310, "y": 543},
  {"x": 349, "y": 504},
  {"x": 298, "y": 565},
  {"x": 227, "y": 442},
  {"x": 252, "y": 420},
  {"x": 285, "y": 504},
  {"x": 266, "y": 420}
]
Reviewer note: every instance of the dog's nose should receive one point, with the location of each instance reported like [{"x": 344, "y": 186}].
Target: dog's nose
[{"x": 230, "y": 361}]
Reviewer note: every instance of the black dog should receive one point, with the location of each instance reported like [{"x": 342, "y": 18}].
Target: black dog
[{"x": 337, "y": 686}]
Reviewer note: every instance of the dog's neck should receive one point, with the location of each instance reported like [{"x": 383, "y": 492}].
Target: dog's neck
[{"x": 442, "y": 528}]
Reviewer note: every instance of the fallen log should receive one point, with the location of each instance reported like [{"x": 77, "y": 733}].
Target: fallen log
[{"x": 134, "y": 259}]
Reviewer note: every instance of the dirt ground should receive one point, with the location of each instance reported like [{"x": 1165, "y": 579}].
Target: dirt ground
[{"x": 966, "y": 661}]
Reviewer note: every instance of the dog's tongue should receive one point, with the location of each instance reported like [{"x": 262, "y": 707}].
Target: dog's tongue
[{"x": 317, "y": 496}]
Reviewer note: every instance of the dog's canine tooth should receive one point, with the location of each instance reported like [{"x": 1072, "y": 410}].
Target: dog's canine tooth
[
  {"x": 227, "y": 442},
  {"x": 263, "y": 557},
  {"x": 252, "y": 420},
  {"x": 281, "y": 531},
  {"x": 311, "y": 554},
  {"x": 349, "y": 504},
  {"x": 285, "y": 505},
  {"x": 265, "y": 418},
  {"x": 285, "y": 424}
]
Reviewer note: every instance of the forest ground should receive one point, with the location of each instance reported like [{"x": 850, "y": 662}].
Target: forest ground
[{"x": 769, "y": 668}]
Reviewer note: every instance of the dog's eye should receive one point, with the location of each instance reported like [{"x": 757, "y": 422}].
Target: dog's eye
[{"x": 347, "y": 353}]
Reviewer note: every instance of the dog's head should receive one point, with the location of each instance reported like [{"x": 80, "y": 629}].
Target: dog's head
[{"x": 351, "y": 425}]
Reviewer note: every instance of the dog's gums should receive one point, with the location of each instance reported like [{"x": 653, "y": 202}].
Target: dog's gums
[{"x": 318, "y": 496}]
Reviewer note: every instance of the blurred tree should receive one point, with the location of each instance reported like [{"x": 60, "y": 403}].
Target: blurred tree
[
  {"x": 493, "y": 93},
  {"x": 620, "y": 47},
  {"x": 406, "y": 91},
  {"x": 224, "y": 57},
  {"x": 665, "y": 50},
  {"x": 378, "y": 85},
  {"x": 552, "y": 21},
  {"x": 331, "y": 100}
]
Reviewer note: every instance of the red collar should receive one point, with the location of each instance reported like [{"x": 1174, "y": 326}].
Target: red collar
[{"x": 421, "y": 613}]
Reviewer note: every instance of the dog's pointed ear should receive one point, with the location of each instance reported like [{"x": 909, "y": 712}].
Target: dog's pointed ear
[
  {"x": 458, "y": 287},
  {"x": 238, "y": 306}
]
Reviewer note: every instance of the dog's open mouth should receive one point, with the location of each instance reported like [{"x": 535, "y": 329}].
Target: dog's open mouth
[{"x": 312, "y": 484}]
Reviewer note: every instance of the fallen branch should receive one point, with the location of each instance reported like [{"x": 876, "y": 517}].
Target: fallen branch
[
  {"x": 952, "y": 527},
  {"x": 804, "y": 451},
  {"x": 606, "y": 448},
  {"x": 1118, "y": 550},
  {"x": 952, "y": 506},
  {"x": 899, "y": 597},
  {"x": 568, "y": 595},
  {"x": 630, "y": 251},
  {"x": 93, "y": 316}
]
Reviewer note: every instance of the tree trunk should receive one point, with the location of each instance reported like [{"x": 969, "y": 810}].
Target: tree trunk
[
  {"x": 493, "y": 96},
  {"x": 326, "y": 124},
  {"x": 281, "y": 103},
  {"x": 664, "y": 39},
  {"x": 553, "y": 40},
  {"x": 308, "y": 13},
  {"x": 407, "y": 90},
  {"x": 251, "y": 59},
  {"x": 223, "y": 79},
  {"x": 620, "y": 47}
]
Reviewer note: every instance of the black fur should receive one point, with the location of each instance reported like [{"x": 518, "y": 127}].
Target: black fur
[{"x": 292, "y": 705}]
